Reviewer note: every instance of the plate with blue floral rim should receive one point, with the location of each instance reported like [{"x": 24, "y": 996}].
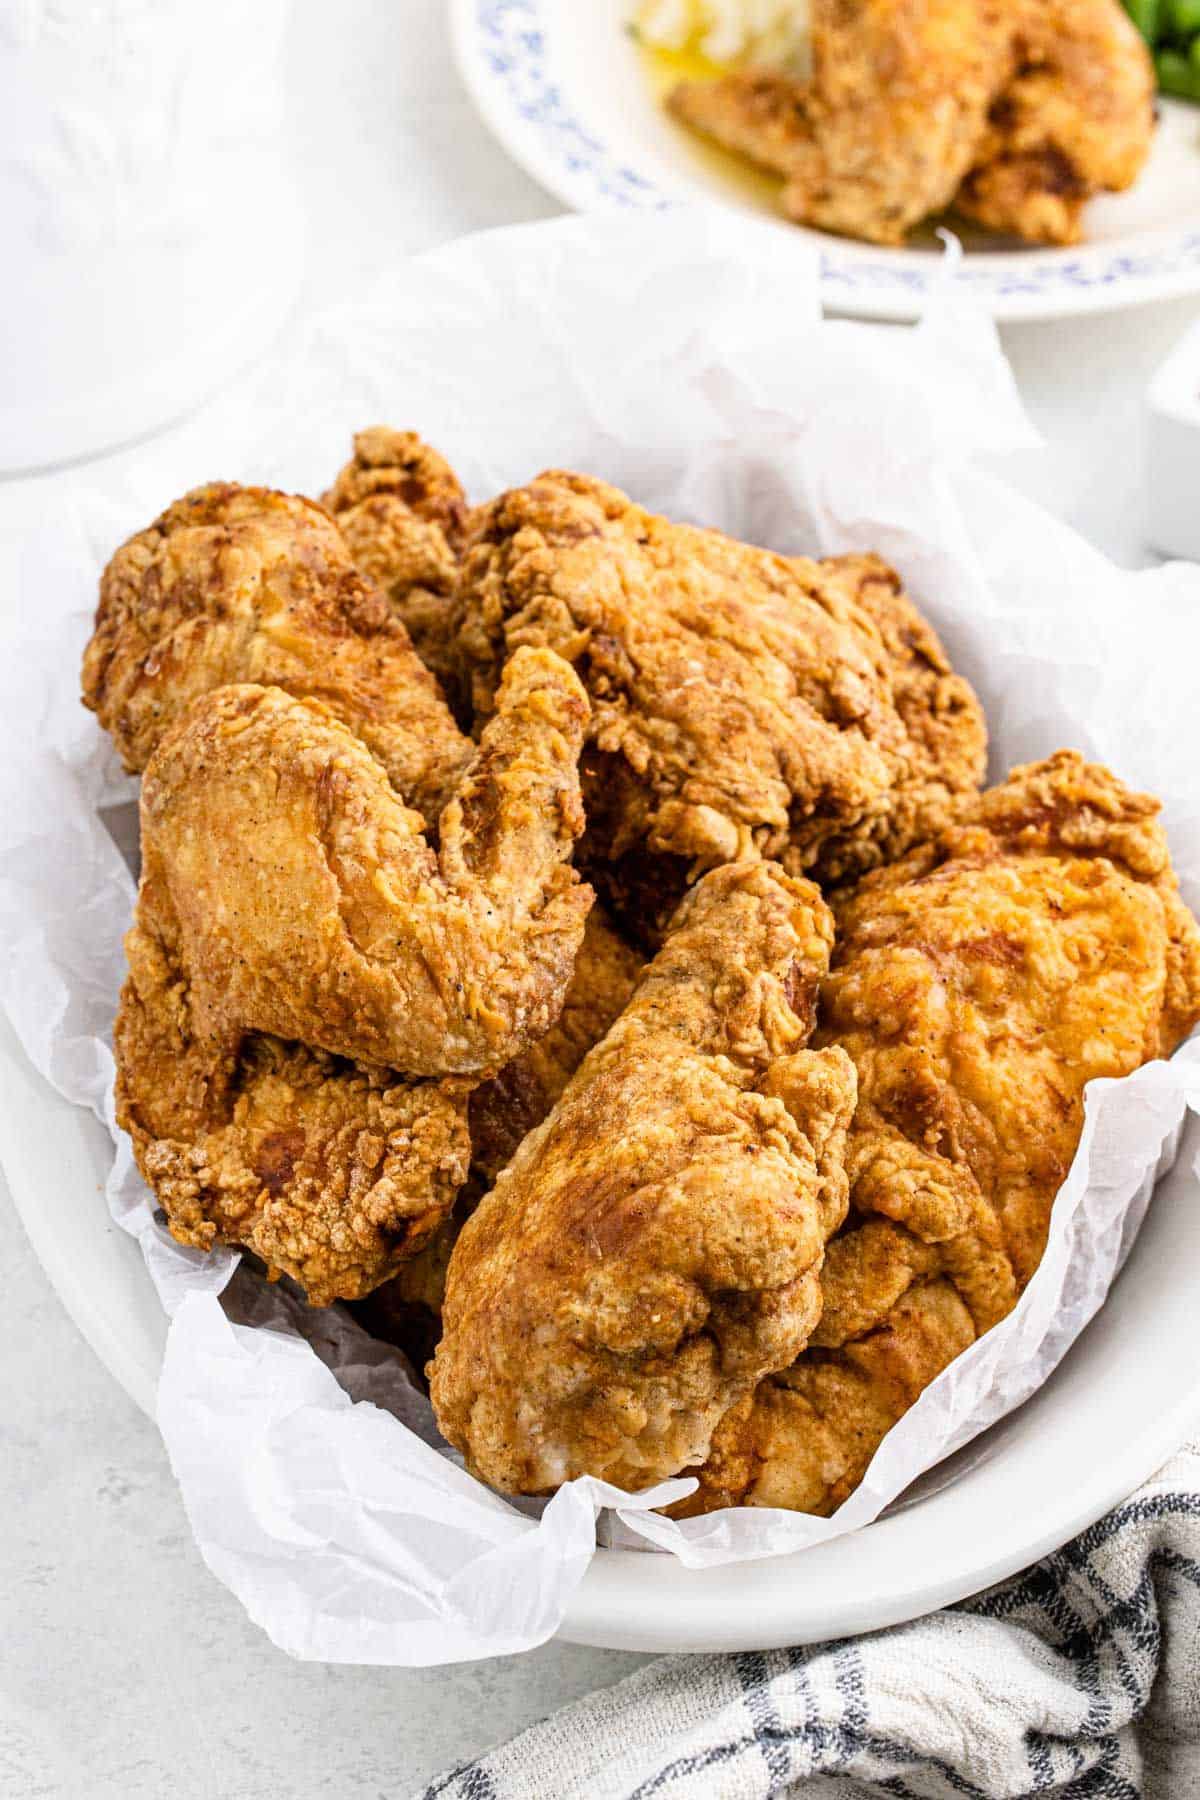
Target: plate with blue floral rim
[{"x": 571, "y": 96}]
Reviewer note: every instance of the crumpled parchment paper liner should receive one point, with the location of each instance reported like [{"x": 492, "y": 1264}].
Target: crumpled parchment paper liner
[{"x": 683, "y": 358}]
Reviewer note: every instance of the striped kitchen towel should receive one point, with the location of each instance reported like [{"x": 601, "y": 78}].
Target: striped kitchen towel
[{"x": 1079, "y": 1678}]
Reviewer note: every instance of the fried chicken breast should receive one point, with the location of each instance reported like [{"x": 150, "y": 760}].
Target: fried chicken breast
[
  {"x": 404, "y": 516},
  {"x": 978, "y": 985},
  {"x": 655, "y": 1245},
  {"x": 742, "y": 702},
  {"x": 238, "y": 584}
]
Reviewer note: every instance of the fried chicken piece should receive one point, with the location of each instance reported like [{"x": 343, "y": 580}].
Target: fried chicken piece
[
  {"x": 1076, "y": 120},
  {"x": 1017, "y": 113},
  {"x": 742, "y": 702},
  {"x": 236, "y": 584},
  {"x": 654, "y": 1247},
  {"x": 403, "y": 513},
  {"x": 506, "y": 1108},
  {"x": 978, "y": 986},
  {"x": 309, "y": 906},
  {"x": 804, "y": 1438},
  {"x": 408, "y": 1310},
  {"x": 331, "y": 1172},
  {"x": 890, "y": 123}
]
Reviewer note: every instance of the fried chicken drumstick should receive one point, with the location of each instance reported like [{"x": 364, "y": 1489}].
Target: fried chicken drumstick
[
  {"x": 741, "y": 702},
  {"x": 655, "y": 1245},
  {"x": 978, "y": 986},
  {"x": 407, "y": 1310},
  {"x": 238, "y": 584}
]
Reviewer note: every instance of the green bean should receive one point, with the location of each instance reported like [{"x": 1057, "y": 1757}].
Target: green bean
[
  {"x": 1184, "y": 16},
  {"x": 1178, "y": 75},
  {"x": 1147, "y": 16}
]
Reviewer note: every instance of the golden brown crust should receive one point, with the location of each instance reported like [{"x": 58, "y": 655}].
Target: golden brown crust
[
  {"x": 310, "y": 906},
  {"x": 804, "y": 1438},
  {"x": 1076, "y": 120},
  {"x": 741, "y": 702},
  {"x": 331, "y": 1172},
  {"x": 654, "y": 1247},
  {"x": 505, "y": 1109},
  {"x": 1015, "y": 113},
  {"x": 236, "y": 584},
  {"x": 978, "y": 986},
  {"x": 403, "y": 513},
  {"x": 888, "y": 127}
]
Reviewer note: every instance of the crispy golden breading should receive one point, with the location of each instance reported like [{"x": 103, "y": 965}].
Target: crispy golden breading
[
  {"x": 891, "y": 122},
  {"x": 742, "y": 702},
  {"x": 402, "y": 511},
  {"x": 1076, "y": 120},
  {"x": 655, "y": 1245},
  {"x": 237, "y": 584},
  {"x": 1015, "y": 111},
  {"x": 804, "y": 1438},
  {"x": 945, "y": 734},
  {"x": 330, "y": 1172},
  {"x": 978, "y": 985},
  {"x": 506, "y": 1108},
  {"x": 308, "y": 904},
  {"x": 503, "y": 1111}
]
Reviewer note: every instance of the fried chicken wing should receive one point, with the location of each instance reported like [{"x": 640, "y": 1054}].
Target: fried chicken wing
[
  {"x": 237, "y": 584},
  {"x": 890, "y": 123},
  {"x": 655, "y": 1245},
  {"x": 308, "y": 905},
  {"x": 1076, "y": 120},
  {"x": 742, "y": 702},
  {"x": 978, "y": 986},
  {"x": 331, "y": 1172},
  {"x": 403, "y": 513}
]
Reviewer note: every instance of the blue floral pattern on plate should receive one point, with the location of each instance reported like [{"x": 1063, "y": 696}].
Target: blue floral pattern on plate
[{"x": 513, "y": 42}]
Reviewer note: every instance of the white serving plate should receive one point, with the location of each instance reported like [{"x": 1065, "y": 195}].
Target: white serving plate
[
  {"x": 1103, "y": 1422},
  {"x": 567, "y": 92}
]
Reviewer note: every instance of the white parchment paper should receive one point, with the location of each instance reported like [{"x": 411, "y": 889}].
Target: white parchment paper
[{"x": 683, "y": 358}]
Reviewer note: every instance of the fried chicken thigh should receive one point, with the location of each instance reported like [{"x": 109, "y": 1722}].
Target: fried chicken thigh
[
  {"x": 890, "y": 123},
  {"x": 654, "y": 1247},
  {"x": 1015, "y": 111},
  {"x": 742, "y": 702},
  {"x": 978, "y": 986},
  {"x": 308, "y": 905},
  {"x": 237, "y": 584},
  {"x": 403, "y": 513}
]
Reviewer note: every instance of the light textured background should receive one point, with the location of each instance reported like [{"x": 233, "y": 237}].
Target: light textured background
[{"x": 126, "y": 1671}]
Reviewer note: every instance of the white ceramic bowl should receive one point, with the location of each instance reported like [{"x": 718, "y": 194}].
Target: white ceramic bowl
[
  {"x": 1121, "y": 1401},
  {"x": 605, "y": 312}
]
